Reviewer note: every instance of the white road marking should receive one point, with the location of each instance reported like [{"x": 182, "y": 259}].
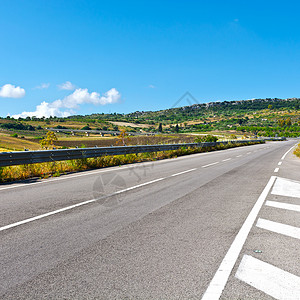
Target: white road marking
[
  {"x": 137, "y": 186},
  {"x": 269, "y": 279},
  {"x": 210, "y": 164},
  {"x": 73, "y": 206},
  {"x": 183, "y": 172},
  {"x": 226, "y": 159},
  {"x": 282, "y": 205},
  {"x": 239, "y": 155},
  {"x": 276, "y": 170},
  {"x": 45, "y": 215},
  {"x": 219, "y": 281},
  {"x": 279, "y": 228},
  {"x": 248, "y": 152},
  {"x": 285, "y": 154},
  {"x": 280, "y": 163},
  {"x": 286, "y": 187}
]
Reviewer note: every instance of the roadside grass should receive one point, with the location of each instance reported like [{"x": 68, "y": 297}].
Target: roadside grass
[
  {"x": 54, "y": 169},
  {"x": 297, "y": 150}
]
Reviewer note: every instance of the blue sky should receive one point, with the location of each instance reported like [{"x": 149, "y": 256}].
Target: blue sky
[{"x": 82, "y": 57}]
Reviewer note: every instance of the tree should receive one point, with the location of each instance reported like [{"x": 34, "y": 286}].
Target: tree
[
  {"x": 177, "y": 128},
  {"x": 160, "y": 127},
  {"x": 123, "y": 137},
  {"x": 288, "y": 122},
  {"x": 281, "y": 122},
  {"x": 86, "y": 127},
  {"x": 48, "y": 141}
]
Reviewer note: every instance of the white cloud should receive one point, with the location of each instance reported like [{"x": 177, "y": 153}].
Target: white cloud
[
  {"x": 67, "y": 86},
  {"x": 68, "y": 105},
  {"x": 42, "y": 86},
  {"x": 151, "y": 86},
  {"x": 11, "y": 91}
]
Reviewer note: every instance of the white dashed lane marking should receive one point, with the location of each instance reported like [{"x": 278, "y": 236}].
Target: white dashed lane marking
[
  {"x": 226, "y": 159},
  {"x": 214, "y": 163},
  {"x": 183, "y": 172}
]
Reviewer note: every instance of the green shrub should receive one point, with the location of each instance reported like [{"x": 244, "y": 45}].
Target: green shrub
[{"x": 206, "y": 139}]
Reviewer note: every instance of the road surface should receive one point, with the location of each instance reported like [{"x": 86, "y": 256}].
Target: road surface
[{"x": 218, "y": 225}]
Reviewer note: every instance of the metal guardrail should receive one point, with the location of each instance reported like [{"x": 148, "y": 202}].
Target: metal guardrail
[
  {"x": 32, "y": 157},
  {"x": 102, "y": 132}
]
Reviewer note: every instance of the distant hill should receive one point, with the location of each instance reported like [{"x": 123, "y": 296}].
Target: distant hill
[{"x": 266, "y": 117}]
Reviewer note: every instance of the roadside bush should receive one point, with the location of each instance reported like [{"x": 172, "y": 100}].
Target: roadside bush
[
  {"x": 297, "y": 150},
  {"x": 206, "y": 139}
]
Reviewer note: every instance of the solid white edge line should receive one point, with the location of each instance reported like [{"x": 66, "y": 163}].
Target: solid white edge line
[
  {"x": 210, "y": 164},
  {"x": 269, "y": 279},
  {"x": 220, "y": 279},
  {"x": 285, "y": 154},
  {"x": 276, "y": 170},
  {"x": 283, "y": 229},
  {"x": 176, "y": 174},
  {"x": 72, "y": 206},
  {"x": 287, "y": 206}
]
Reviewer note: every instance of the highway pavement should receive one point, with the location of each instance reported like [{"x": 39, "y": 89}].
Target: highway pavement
[{"x": 217, "y": 225}]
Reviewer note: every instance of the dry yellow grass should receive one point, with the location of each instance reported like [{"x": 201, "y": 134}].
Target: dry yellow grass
[
  {"x": 4, "y": 150},
  {"x": 297, "y": 150},
  {"x": 17, "y": 144}
]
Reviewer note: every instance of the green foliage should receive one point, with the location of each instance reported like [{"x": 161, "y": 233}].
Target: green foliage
[
  {"x": 17, "y": 126},
  {"x": 14, "y": 135},
  {"x": 206, "y": 139}
]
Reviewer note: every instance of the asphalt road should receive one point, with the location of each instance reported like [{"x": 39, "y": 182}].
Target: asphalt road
[{"x": 156, "y": 230}]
